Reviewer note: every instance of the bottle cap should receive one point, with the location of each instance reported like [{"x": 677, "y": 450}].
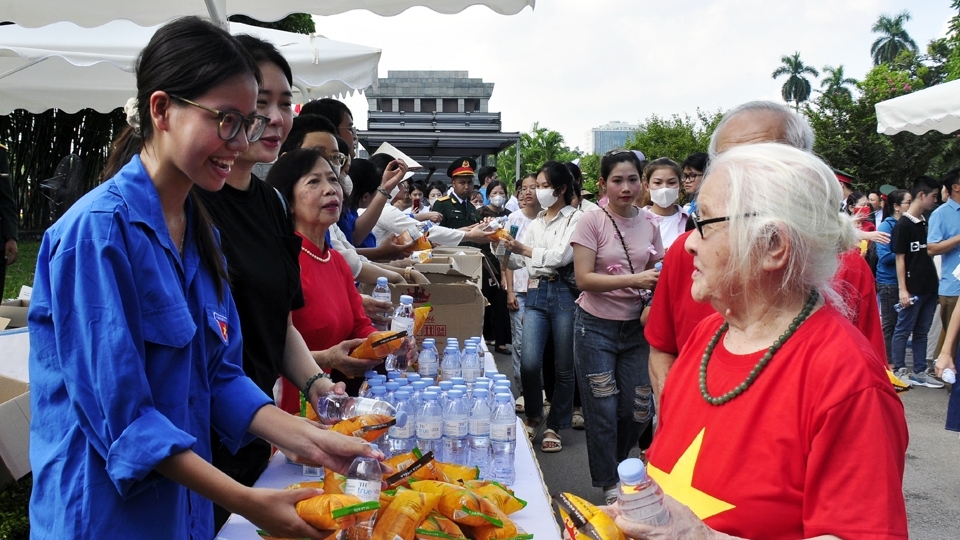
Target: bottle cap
[
  {"x": 503, "y": 397},
  {"x": 378, "y": 390},
  {"x": 428, "y": 380},
  {"x": 497, "y": 376},
  {"x": 471, "y": 349},
  {"x": 429, "y": 395},
  {"x": 392, "y": 386},
  {"x": 369, "y": 374},
  {"x": 631, "y": 471},
  {"x": 402, "y": 381},
  {"x": 457, "y": 380},
  {"x": 461, "y": 387},
  {"x": 406, "y": 299},
  {"x": 413, "y": 377},
  {"x": 374, "y": 445},
  {"x": 401, "y": 395},
  {"x": 381, "y": 282},
  {"x": 503, "y": 383},
  {"x": 446, "y": 385},
  {"x": 434, "y": 388},
  {"x": 419, "y": 385},
  {"x": 483, "y": 381},
  {"x": 401, "y": 418},
  {"x": 391, "y": 375},
  {"x": 455, "y": 394},
  {"x": 379, "y": 378},
  {"x": 480, "y": 392}
]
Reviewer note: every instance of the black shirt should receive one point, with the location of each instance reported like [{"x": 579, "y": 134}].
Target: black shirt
[{"x": 910, "y": 240}]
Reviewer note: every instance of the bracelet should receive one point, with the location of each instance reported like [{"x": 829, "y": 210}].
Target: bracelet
[
  {"x": 406, "y": 274},
  {"x": 311, "y": 380},
  {"x": 384, "y": 192}
]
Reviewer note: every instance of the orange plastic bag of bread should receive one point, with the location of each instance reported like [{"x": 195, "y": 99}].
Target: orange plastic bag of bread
[
  {"x": 436, "y": 525},
  {"x": 387, "y": 496},
  {"x": 333, "y": 482},
  {"x": 368, "y": 427},
  {"x": 507, "y": 502},
  {"x": 401, "y": 518},
  {"x": 335, "y": 511},
  {"x": 379, "y": 344},
  {"x": 507, "y": 531},
  {"x": 454, "y": 473},
  {"x": 313, "y": 484},
  {"x": 584, "y": 521},
  {"x": 422, "y": 467},
  {"x": 420, "y": 317},
  {"x": 460, "y": 504}
]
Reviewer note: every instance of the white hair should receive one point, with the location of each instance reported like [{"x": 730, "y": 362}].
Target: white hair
[
  {"x": 786, "y": 192},
  {"x": 796, "y": 129}
]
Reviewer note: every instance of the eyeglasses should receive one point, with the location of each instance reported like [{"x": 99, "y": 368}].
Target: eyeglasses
[
  {"x": 231, "y": 122},
  {"x": 337, "y": 158},
  {"x": 351, "y": 129},
  {"x": 691, "y": 176},
  {"x": 700, "y": 223}
]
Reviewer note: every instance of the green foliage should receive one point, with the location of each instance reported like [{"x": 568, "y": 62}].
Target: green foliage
[
  {"x": 883, "y": 82},
  {"x": 536, "y": 148},
  {"x": 590, "y": 167},
  {"x": 21, "y": 272},
  {"x": 797, "y": 87},
  {"x": 300, "y": 23},
  {"x": 893, "y": 39},
  {"x": 676, "y": 137},
  {"x": 835, "y": 82},
  {"x": 14, "y": 510}
]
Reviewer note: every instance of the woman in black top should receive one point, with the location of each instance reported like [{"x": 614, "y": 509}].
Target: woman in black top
[{"x": 496, "y": 317}]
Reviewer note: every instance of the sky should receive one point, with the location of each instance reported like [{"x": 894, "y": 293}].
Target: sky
[{"x": 573, "y": 65}]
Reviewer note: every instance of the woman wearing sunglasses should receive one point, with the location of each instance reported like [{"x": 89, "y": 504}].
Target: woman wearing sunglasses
[{"x": 135, "y": 350}]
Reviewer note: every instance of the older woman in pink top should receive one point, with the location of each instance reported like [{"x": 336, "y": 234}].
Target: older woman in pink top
[{"x": 614, "y": 251}]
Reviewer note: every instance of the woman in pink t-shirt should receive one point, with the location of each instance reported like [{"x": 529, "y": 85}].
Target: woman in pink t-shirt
[{"x": 614, "y": 250}]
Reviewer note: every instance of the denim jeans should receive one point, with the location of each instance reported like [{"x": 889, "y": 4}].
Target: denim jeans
[
  {"x": 888, "y": 296},
  {"x": 548, "y": 314},
  {"x": 611, "y": 362},
  {"x": 915, "y": 320},
  {"x": 516, "y": 337}
]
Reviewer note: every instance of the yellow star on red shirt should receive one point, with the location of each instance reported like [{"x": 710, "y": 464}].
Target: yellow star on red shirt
[{"x": 678, "y": 483}]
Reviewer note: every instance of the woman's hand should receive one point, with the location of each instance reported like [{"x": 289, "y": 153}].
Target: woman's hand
[
  {"x": 513, "y": 246},
  {"x": 944, "y": 361},
  {"x": 338, "y": 357},
  {"x": 393, "y": 174},
  {"x": 512, "y": 303},
  {"x": 389, "y": 250},
  {"x": 375, "y": 309},
  {"x": 684, "y": 524},
  {"x": 430, "y": 216},
  {"x": 274, "y": 510},
  {"x": 646, "y": 279},
  {"x": 310, "y": 444},
  {"x": 475, "y": 234},
  {"x": 878, "y": 237}
]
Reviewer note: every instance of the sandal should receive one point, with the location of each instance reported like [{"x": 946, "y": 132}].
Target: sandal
[
  {"x": 578, "y": 422},
  {"x": 519, "y": 406},
  {"x": 551, "y": 442},
  {"x": 531, "y": 426}
]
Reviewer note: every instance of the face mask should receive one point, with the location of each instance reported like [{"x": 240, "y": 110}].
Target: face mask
[
  {"x": 478, "y": 205},
  {"x": 347, "y": 185},
  {"x": 498, "y": 200},
  {"x": 664, "y": 197},
  {"x": 546, "y": 197},
  {"x": 433, "y": 199}
]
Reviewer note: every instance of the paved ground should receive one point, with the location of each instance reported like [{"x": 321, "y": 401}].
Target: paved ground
[{"x": 931, "y": 479}]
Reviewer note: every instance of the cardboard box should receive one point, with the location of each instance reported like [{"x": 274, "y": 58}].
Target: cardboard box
[
  {"x": 453, "y": 265},
  {"x": 14, "y": 430},
  {"x": 16, "y": 311},
  {"x": 457, "y": 308}
]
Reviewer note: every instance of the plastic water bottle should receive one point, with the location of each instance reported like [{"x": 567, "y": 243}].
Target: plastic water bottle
[
  {"x": 467, "y": 396},
  {"x": 382, "y": 292},
  {"x": 402, "y": 322},
  {"x": 503, "y": 440},
  {"x": 445, "y": 387},
  {"x": 898, "y": 307},
  {"x": 334, "y": 407},
  {"x": 455, "y": 429},
  {"x": 470, "y": 366},
  {"x": 430, "y": 425},
  {"x": 364, "y": 477},
  {"x": 403, "y": 439},
  {"x": 391, "y": 391},
  {"x": 478, "y": 432},
  {"x": 504, "y": 387},
  {"x": 450, "y": 367},
  {"x": 949, "y": 376},
  {"x": 639, "y": 496},
  {"x": 416, "y": 392},
  {"x": 428, "y": 364}
]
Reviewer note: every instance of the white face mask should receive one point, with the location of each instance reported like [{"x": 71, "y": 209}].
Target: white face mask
[
  {"x": 433, "y": 199},
  {"x": 347, "y": 185},
  {"x": 498, "y": 201},
  {"x": 546, "y": 197},
  {"x": 664, "y": 197}
]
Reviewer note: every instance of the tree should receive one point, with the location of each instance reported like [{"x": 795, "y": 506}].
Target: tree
[
  {"x": 893, "y": 39},
  {"x": 835, "y": 82},
  {"x": 299, "y": 23},
  {"x": 797, "y": 88},
  {"x": 676, "y": 137},
  {"x": 536, "y": 148}
]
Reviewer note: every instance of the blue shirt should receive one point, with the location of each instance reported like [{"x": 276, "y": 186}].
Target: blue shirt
[
  {"x": 886, "y": 258},
  {"x": 133, "y": 358},
  {"x": 348, "y": 224},
  {"x": 944, "y": 224}
]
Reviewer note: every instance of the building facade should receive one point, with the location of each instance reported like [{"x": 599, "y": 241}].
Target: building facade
[{"x": 610, "y": 136}]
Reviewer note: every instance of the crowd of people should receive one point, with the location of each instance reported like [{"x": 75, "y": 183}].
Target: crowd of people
[{"x": 738, "y": 340}]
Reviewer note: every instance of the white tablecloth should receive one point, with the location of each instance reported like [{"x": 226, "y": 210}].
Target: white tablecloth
[
  {"x": 15, "y": 353},
  {"x": 536, "y": 518}
]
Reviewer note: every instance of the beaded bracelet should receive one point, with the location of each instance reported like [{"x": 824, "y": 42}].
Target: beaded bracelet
[
  {"x": 311, "y": 380},
  {"x": 384, "y": 192}
]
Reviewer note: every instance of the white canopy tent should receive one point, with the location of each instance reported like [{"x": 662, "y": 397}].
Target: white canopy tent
[
  {"x": 937, "y": 107},
  {"x": 68, "y": 67},
  {"x": 90, "y": 13}
]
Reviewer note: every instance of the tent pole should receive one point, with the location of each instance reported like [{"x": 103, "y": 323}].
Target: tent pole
[{"x": 218, "y": 12}]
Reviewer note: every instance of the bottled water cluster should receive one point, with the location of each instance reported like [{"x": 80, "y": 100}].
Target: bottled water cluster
[{"x": 465, "y": 417}]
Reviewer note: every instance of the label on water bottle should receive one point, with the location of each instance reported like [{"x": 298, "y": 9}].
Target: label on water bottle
[
  {"x": 365, "y": 490},
  {"x": 428, "y": 369},
  {"x": 429, "y": 430},
  {"x": 643, "y": 505},
  {"x": 364, "y": 406},
  {"x": 455, "y": 428},
  {"x": 479, "y": 426},
  {"x": 405, "y": 432},
  {"x": 400, "y": 324},
  {"x": 503, "y": 432},
  {"x": 470, "y": 374}
]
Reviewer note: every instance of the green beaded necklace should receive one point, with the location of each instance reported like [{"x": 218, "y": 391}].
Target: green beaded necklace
[{"x": 742, "y": 387}]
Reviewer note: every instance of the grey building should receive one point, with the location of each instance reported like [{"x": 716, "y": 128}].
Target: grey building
[
  {"x": 610, "y": 136},
  {"x": 434, "y": 117}
]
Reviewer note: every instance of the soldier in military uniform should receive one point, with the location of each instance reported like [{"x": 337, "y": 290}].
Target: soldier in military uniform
[{"x": 456, "y": 209}]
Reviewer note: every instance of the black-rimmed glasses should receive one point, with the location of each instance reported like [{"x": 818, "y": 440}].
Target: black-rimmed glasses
[
  {"x": 231, "y": 122},
  {"x": 700, "y": 223},
  {"x": 689, "y": 177}
]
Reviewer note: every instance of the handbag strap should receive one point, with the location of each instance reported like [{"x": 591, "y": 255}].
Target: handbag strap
[{"x": 622, "y": 242}]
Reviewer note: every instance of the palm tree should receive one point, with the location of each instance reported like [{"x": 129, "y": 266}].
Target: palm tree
[
  {"x": 893, "y": 38},
  {"x": 797, "y": 88},
  {"x": 834, "y": 82}
]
